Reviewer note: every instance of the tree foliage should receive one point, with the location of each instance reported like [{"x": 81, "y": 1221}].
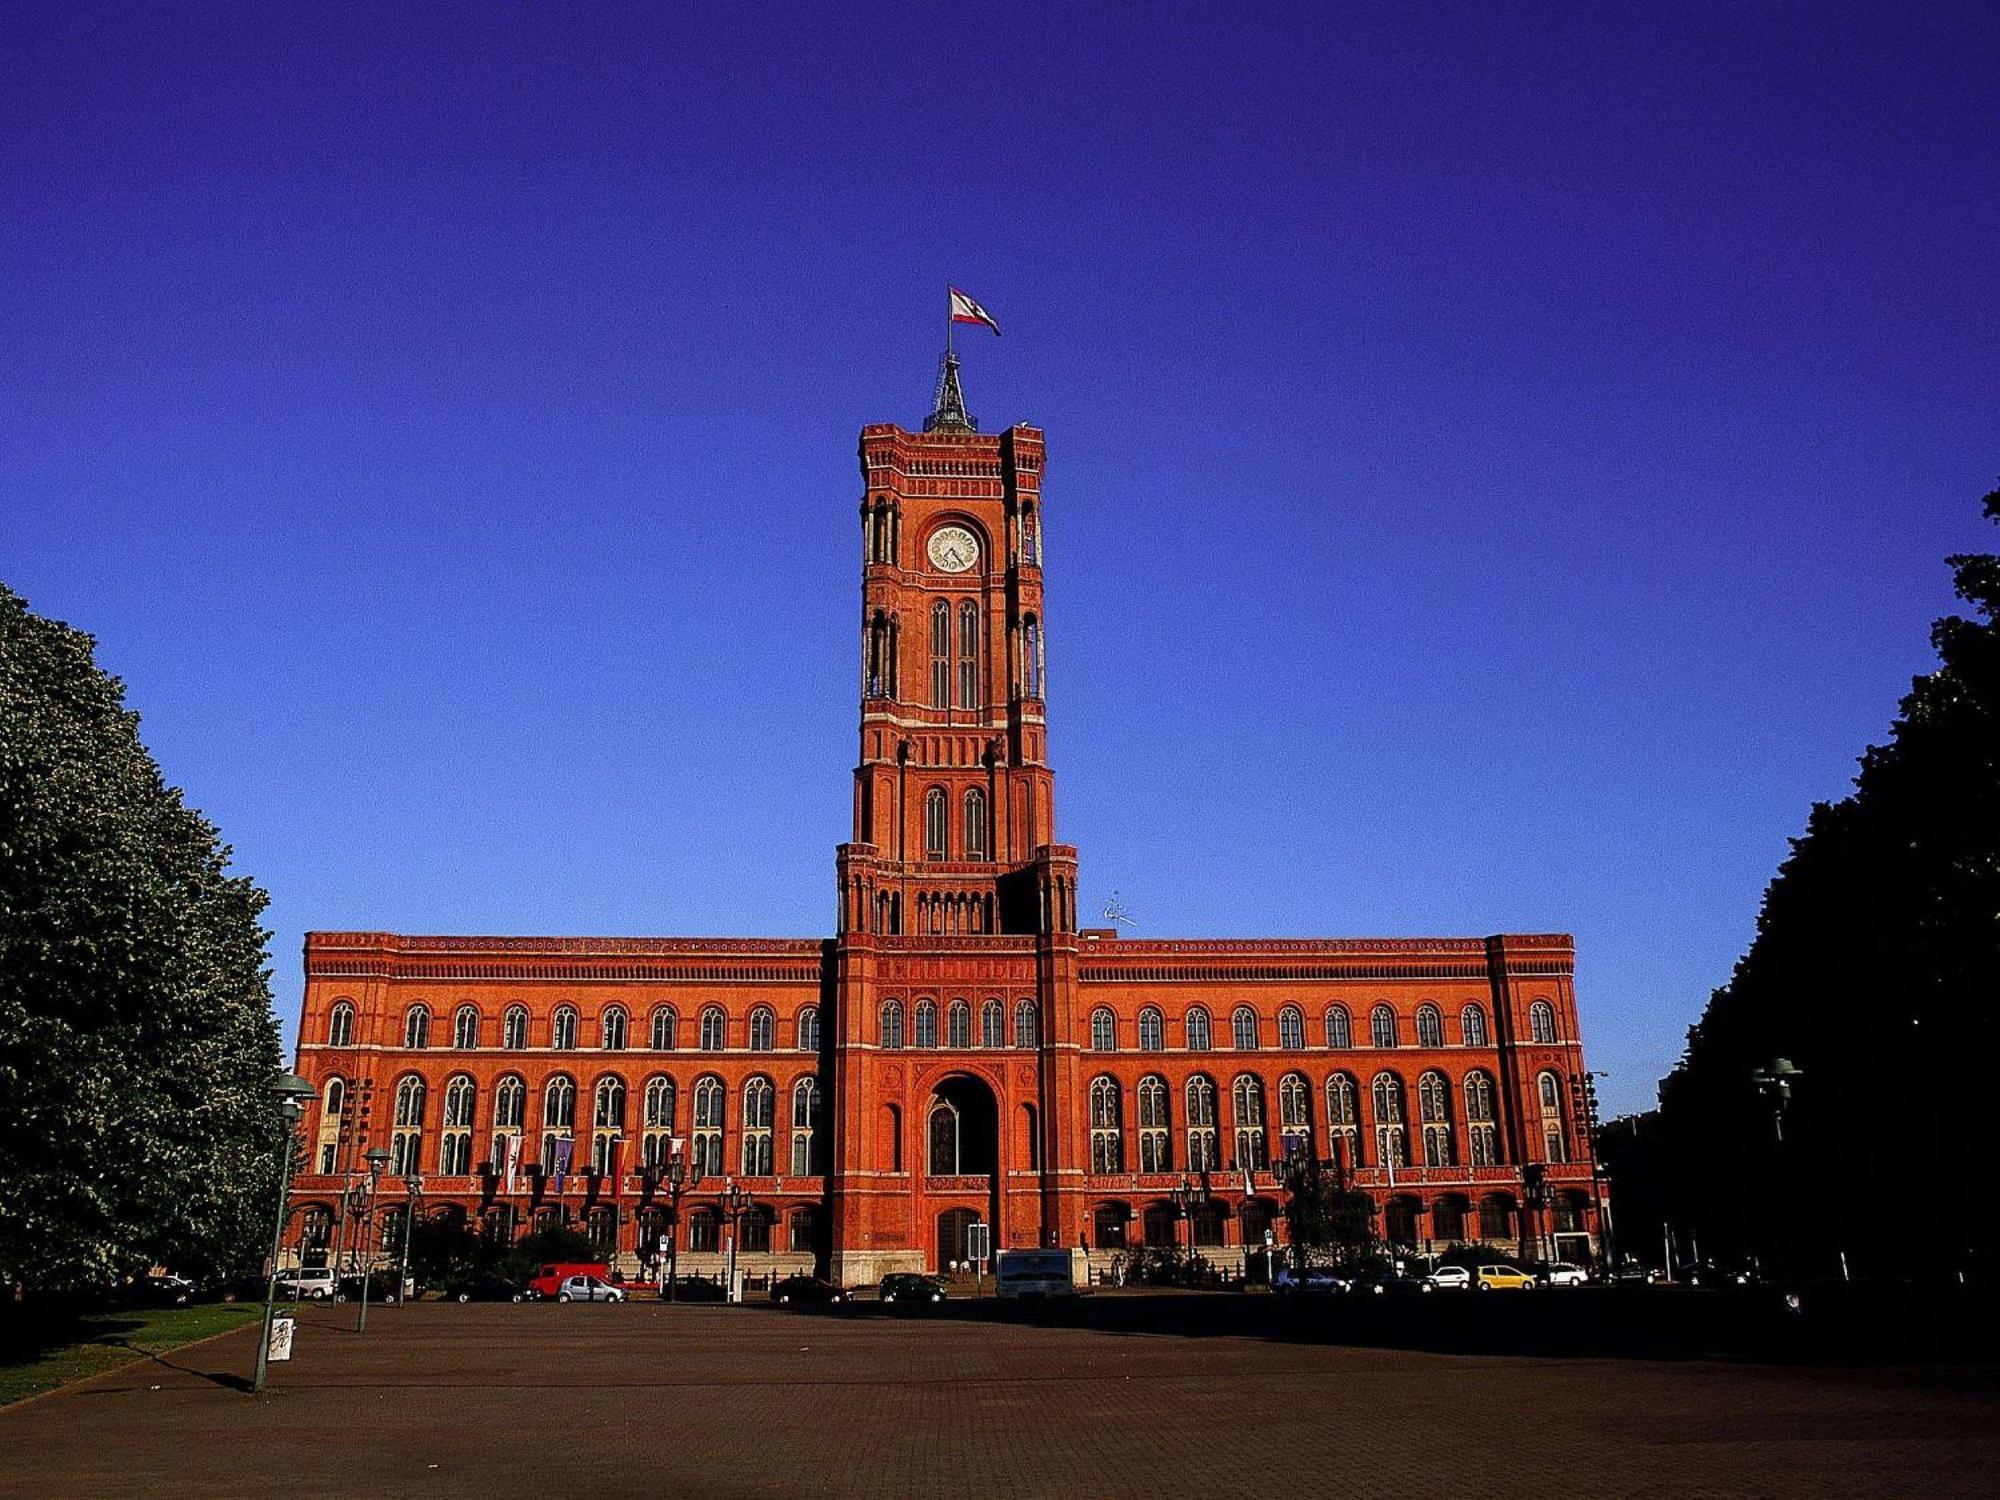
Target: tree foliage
[
  {"x": 1873, "y": 966},
  {"x": 137, "y": 1044},
  {"x": 1325, "y": 1218}
]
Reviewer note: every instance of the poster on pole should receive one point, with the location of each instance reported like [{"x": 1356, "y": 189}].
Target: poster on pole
[{"x": 280, "y": 1346}]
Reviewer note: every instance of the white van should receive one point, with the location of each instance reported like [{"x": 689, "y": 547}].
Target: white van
[
  {"x": 315, "y": 1282},
  {"x": 1034, "y": 1273}
]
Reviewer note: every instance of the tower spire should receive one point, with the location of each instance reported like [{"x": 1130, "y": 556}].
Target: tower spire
[{"x": 948, "y": 413}]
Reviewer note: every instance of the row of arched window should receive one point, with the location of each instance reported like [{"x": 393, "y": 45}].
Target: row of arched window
[
  {"x": 972, "y": 841},
  {"x": 1385, "y": 1133},
  {"x": 1246, "y": 1028},
  {"x": 613, "y": 1028},
  {"x": 657, "y": 1125},
  {"x": 924, "y": 1017}
]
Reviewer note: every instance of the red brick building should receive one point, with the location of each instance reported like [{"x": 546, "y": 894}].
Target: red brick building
[{"x": 959, "y": 1049}]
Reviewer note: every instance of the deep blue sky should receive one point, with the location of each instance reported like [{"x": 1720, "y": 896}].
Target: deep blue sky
[{"x": 1501, "y": 457}]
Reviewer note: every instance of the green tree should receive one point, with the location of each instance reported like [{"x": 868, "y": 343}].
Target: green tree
[
  {"x": 1872, "y": 967},
  {"x": 1323, "y": 1217},
  {"x": 137, "y": 1044}
]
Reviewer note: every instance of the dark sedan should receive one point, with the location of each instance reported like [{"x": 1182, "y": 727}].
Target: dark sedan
[{"x": 806, "y": 1289}]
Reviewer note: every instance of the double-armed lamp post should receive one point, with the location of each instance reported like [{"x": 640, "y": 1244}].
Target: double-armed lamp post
[
  {"x": 292, "y": 1092},
  {"x": 414, "y": 1186},
  {"x": 377, "y": 1160}
]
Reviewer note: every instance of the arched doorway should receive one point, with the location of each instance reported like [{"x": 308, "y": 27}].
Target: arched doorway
[{"x": 961, "y": 1161}]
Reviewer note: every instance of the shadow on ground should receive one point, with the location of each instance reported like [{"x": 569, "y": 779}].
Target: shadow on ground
[{"x": 1955, "y": 1325}]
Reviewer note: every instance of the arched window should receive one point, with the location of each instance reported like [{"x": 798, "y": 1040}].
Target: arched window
[
  {"x": 968, "y": 655},
  {"x": 809, "y": 1029},
  {"x": 1031, "y": 658},
  {"x": 665, "y": 1024},
  {"x": 1382, "y": 1026},
  {"x": 1430, "y": 1026},
  {"x": 1107, "y": 1127},
  {"x": 940, "y": 655},
  {"x": 892, "y": 1023},
  {"x": 558, "y": 1117},
  {"x": 607, "y": 1124},
  {"x": 455, "y": 1145},
  {"x": 1291, "y": 1029},
  {"x": 1156, "y": 1134},
  {"x": 1338, "y": 1033},
  {"x": 614, "y": 1029},
  {"x": 936, "y": 821},
  {"x": 1031, "y": 538},
  {"x": 1246, "y": 1098},
  {"x": 759, "y": 1100},
  {"x": 1197, "y": 1029},
  {"x": 1202, "y": 1155},
  {"x": 707, "y": 1135},
  {"x": 763, "y": 1029},
  {"x": 926, "y": 1019},
  {"x": 417, "y": 1026},
  {"x": 564, "y": 1031},
  {"x": 975, "y": 823},
  {"x": 465, "y": 1029},
  {"x": 942, "y": 1139},
  {"x": 510, "y": 1103},
  {"x": 704, "y": 1231},
  {"x": 1482, "y": 1134},
  {"x": 714, "y": 1029},
  {"x": 407, "y": 1142},
  {"x": 1152, "y": 1030},
  {"x": 1243, "y": 1029},
  {"x": 1295, "y": 1117},
  {"x": 514, "y": 1028},
  {"x": 661, "y": 1100},
  {"x": 993, "y": 1025},
  {"x": 1542, "y": 1021},
  {"x": 1389, "y": 1127},
  {"x": 807, "y": 1100},
  {"x": 1343, "y": 1119},
  {"x": 1434, "y": 1109},
  {"x": 1103, "y": 1030},
  {"x": 1024, "y": 1024},
  {"x": 1555, "y": 1139},
  {"x": 958, "y": 1030},
  {"x": 510, "y": 1115},
  {"x": 333, "y": 1107},
  {"x": 340, "y": 1025},
  {"x": 1472, "y": 1026}
]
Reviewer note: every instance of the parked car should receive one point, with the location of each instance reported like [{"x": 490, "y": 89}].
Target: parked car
[
  {"x": 1314, "y": 1280},
  {"x": 588, "y": 1289},
  {"x": 1504, "y": 1278},
  {"x": 315, "y": 1283},
  {"x": 1450, "y": 1279},
  {"x": 484, "y": 1288},
  {"x": 1562, "y": 1273},
  {"x": 904, "y": 1286},
  {"x": 806, "y": 1289},
  {"x": 547, "y": 1282}
]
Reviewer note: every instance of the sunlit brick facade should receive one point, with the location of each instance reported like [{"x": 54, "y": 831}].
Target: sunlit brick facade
[{"x": 959, "y": 1050}]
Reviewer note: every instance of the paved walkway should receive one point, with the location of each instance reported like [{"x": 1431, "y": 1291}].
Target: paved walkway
[{"x": 539, "y": 1400}]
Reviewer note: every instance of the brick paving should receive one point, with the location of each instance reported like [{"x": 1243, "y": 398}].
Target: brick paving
[{"x": 500, "y": 1400}]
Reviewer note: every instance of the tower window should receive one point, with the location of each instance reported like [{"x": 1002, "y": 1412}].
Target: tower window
[
  {"x": 1031, "y": 658},
  {"x": 975, "y": 823},
  {"x": 968, "y": 655},
  {"x": 940, "y": 655},
  {"x": 340, "y": 1026},
  {"x": 936, "y": 819}
]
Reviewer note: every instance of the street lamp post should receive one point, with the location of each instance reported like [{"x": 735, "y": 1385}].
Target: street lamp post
[
  {"x": 735, "y": 1203},
  {"x": 377, "y": 1160},
  {"x": 677, "y": 1184},
  {"x": 414, "y": 1186},
  {"x": 1775, "y": 1083},
  {"x": 292, "y": 1092}
]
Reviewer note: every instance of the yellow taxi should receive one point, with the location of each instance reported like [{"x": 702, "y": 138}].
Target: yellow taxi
[{"x": 1503, "y": 1278}]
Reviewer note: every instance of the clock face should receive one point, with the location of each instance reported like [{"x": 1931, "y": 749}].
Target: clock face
[{"x": 953, "y": 549}]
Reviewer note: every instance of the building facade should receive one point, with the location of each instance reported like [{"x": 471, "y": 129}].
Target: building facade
[{"x": 960, "y": 1050}]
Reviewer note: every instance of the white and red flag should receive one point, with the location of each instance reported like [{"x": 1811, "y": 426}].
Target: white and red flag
[
  {"x": 965, "y": 310},
  {"x": 513, "y": 1160}
]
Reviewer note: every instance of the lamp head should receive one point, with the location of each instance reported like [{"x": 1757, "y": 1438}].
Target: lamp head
[{"x": 377, "y": 1159}]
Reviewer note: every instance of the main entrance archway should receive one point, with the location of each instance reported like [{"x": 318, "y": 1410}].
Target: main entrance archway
[{"x": 961, "y": 1162}]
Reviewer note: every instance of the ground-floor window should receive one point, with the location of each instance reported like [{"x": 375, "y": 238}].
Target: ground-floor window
[
  {"x": 1161, "y": 1224},
  {"x": 1208, "y": 1222},
  {"x": 757, "y": 1230},
  {"x": 804, "y": 1224},
  {"x": 702, "y": 1230},
  {"x": 1496, "y": 1218},
  {"x": 1448, "y": 1219},
  {"x": 604, "y": 1230},
  {"x": 1108, "y": 1227}
]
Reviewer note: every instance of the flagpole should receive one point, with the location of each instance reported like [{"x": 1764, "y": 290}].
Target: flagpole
[{"x": 947, "y": 321}]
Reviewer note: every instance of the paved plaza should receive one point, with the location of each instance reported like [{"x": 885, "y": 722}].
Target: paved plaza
[{"x": 540, "y": 1400}]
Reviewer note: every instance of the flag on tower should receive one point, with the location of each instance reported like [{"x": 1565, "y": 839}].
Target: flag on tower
[{"x": 965, "y": 310}]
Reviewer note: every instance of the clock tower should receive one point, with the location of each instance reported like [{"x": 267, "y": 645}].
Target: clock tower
[{"x": 957, "y": 906}]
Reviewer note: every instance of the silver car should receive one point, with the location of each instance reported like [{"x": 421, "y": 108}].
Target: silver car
[{"x": 588, "y": 1289}]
